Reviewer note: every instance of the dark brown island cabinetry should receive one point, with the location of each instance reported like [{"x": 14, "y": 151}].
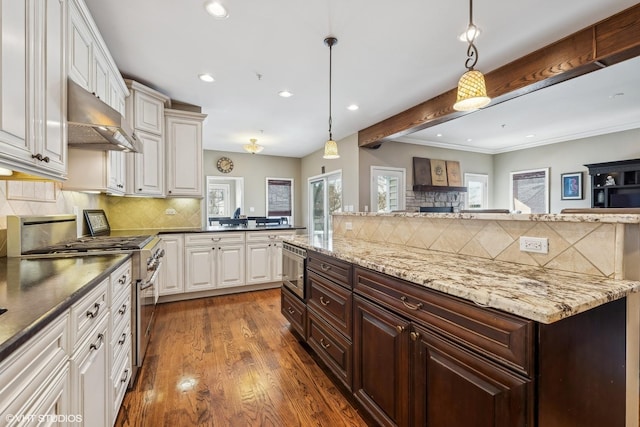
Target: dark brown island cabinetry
[{"x": 413, "y": 356}]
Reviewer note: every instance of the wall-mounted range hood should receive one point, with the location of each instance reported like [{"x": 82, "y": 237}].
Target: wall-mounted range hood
[{"x": 94, "y": 125}]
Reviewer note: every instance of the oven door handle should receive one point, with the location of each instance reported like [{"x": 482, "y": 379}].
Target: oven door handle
[{"x": 151, "y": 281}]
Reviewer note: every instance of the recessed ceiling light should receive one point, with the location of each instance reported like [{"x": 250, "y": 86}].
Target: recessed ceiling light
[
  {"x": 352, "y": 107},
  {"x": 285, "y": 94},
  {"x": 469, "y": 139},
  {"x": 530, "y": 136},
  {"x": 438, "y": 135},
  {"x": 216, "y": 9},
  {"x": 616, "y": 95},
  {"x": 206, "y": 77},
  {"x": 474, "y": 33}
]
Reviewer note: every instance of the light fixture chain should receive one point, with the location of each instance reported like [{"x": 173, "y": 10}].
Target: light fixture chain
[{"x": 330, "y": 74}]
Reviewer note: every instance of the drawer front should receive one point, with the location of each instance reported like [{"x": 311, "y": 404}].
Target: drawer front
[
  {"x": 331, "y": 268},
  {"x": 120, "y": 377},
  {"x": 268, "y": 236},
  {"x": 121, "y": 311},
  {"x": 331, "y": 301},
  {"x": 332, "y": 348},
  {"x": 120, "y": 344},
  {"x": 87, "y": 313},
  {"x": 501, "y": 336},
  {"x": 208, "y": 239},
  {"x": 121, "y": 281},
  {"x": 294, "y": 311}
]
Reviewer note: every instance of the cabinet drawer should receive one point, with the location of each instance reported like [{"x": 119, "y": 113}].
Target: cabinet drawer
[
  {"x": 331, "y": 301},
  {"x": 120, "y": 281},
  {"x": 332, "y": 348},
  {"x": 294, "y": 311},
  {"x": 208, "y": 239},
  {"x": 501, "y": 336},
  {"x": 88, "y": 312},
  {"x": 120, "y": 311},
  {"x": 331, "y": 268},
  {"x": 120, "y": 377},
  {"x": 268, "y": 236},
  {"x": 120, "y": 344}
]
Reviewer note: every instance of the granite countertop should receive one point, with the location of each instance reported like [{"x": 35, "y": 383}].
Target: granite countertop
[
  {"x": 535, "y": 293},
  {"x": 36, "y": 290}
]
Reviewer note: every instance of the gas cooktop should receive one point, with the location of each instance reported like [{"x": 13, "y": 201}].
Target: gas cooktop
[{"x": 96, "y": 243}]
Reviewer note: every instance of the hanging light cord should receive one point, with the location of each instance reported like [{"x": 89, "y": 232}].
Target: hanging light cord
[
  {"x": 472, "y": 51},
  {"x": 330, "y": 43}
]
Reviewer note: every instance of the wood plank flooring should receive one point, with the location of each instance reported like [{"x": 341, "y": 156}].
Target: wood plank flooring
[{"x": 231, "y": 361}]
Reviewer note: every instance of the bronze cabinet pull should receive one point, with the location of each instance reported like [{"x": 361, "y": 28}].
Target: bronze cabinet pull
[
  {"x": 410, "y": 306},
  {"x": 322, "y": 343},
  {"x": 325, "y": 267},
  {"x": 95, "y": 346},
  {"x": 94, "y": 313},
  {"x": 291, "y": 311},
  {"x": 123, "y": 339},
  {"x": 324, "y": 302},
  {"x": 414, "y": 336}
]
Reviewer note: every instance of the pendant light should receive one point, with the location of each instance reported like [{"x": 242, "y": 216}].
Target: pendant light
[
  {"x": 253, "y": 148},
  {"x": 472, "y": 91},
  {"x": 330, "y": 147}
]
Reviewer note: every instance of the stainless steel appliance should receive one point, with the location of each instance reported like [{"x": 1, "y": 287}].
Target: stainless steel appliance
[
  {"x": 55, "y": 236},
  {"x": 294, "y": 263}
]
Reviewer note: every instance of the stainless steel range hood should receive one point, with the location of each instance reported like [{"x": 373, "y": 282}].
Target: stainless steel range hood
[{"x": 94, "y": 125}]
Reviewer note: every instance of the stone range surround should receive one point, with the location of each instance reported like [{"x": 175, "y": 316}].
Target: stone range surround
[
  {"x": 415, "y": 199},
  {"x": 591, "y": 244}
]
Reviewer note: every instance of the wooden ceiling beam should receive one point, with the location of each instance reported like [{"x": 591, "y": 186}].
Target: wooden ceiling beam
[{"x": 605, "y": 43}]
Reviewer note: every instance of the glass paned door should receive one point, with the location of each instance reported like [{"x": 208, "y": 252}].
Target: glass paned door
[
  {"x": 325, "y": 198},
  {"x": 387, "y": 189}
]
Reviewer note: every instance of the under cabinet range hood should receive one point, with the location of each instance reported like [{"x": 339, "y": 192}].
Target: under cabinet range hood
[{"x": 94, "y": 125}]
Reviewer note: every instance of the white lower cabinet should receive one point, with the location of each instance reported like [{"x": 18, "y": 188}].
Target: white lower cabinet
[
  {"x": 90, "y": 376},
  {"x": 34, "y": 379},
  {"x": 173, "y": 265},
  {"x": 217, "y": 266},
  {"x": 264, "y": 256}
]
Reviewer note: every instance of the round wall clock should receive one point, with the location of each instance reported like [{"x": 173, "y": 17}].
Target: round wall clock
[{"x": 225, "y": 165}]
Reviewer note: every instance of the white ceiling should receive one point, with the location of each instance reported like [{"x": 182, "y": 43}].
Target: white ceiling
[{"x": 391, "y": 55}]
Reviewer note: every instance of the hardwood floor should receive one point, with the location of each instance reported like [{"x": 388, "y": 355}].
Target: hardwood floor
[{"x": 231, "y": 361}]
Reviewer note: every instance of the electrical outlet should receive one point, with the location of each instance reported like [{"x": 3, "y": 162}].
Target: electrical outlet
[
  {"x": 539, "y": 245},
  {"x": 170, "y": 211},
  {"x": 348, "y": 226}
]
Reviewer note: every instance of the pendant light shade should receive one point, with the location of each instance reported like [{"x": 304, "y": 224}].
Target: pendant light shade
[
  {"x": 472, "y": 90},
  {"x": 330, "y": 147},
  {"x": 253, "y": 148}
]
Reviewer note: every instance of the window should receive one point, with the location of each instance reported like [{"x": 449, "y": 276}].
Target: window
[
  {"x": 325, "y": 198},
  {"x": 224, "y": 196},
  {"x": 280, "y": 198},
  {"x": 387, "y": 189},
  {"x": 477, "y": 195}
]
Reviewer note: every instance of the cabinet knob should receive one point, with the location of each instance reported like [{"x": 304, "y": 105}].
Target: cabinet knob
[
  {"x": 169, "y": 191},
  {"x": 325, "y": 267},
  {"x": 139, "y": 189},
  {"x": 291, "y": 311},
  {"x": 400, "y": 329},
  {"x": 414, "y": 336}
]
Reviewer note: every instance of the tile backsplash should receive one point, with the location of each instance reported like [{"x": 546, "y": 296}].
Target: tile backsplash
[
  {"x": 40, "y": 198},
  {"x": 584, "y": 247}
]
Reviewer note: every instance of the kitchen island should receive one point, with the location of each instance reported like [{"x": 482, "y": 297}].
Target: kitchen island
[{"x": 493, "y": 342}]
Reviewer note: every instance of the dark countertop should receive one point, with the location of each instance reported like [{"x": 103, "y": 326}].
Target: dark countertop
[{"x": 36, "y": 291}]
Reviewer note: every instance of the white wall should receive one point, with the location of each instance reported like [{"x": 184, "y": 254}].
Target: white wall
[
  {"x": 400, "y": 155},
  {"x": 256, "y": 168},
  {"x": 570, "y": 156}
]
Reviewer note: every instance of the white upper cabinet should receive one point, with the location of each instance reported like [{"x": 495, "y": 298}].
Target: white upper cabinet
[
  {"x": 183, "y": 139},
  {"x": 90, "y": 63},
  {"x": 145, "y": 171},
  {"x": 33, "y": 97}
]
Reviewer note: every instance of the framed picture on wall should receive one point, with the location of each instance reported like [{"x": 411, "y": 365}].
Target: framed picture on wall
[
  {"x": 529, "y": 191},
  {"x": 571, "y": 186}
]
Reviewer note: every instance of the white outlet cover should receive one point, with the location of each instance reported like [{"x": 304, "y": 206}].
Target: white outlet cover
[{"x": 539, "y": 245}]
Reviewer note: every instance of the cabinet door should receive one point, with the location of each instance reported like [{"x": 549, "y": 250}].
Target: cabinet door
[
  {"x": 258, "y": 262},
  {"x": 116, "y": 172},
  {"x": 453, "y": 387},
  {"x": 149, "y": 166},
  {"x": 52, "y": 111},
  {"x": 184, "y": 156},
  {"x": 200, "y": 264},
  {"x": 80, "y": 50},
  {"x": 276, "y": 261},
  {"x": 101, "y": 76},
  {"x": 90, "y": 379},
  {"x": 173, "y": 282},
  {"x": 149, "y": 113},
  {"x": 230, "y": 265},
  {"x": 381, "y": 363}
]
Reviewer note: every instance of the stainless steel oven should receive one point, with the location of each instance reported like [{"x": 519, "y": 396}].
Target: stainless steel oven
[
  {"x": 294, "y": 263},
  {"x": 55, "y": 235}
]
